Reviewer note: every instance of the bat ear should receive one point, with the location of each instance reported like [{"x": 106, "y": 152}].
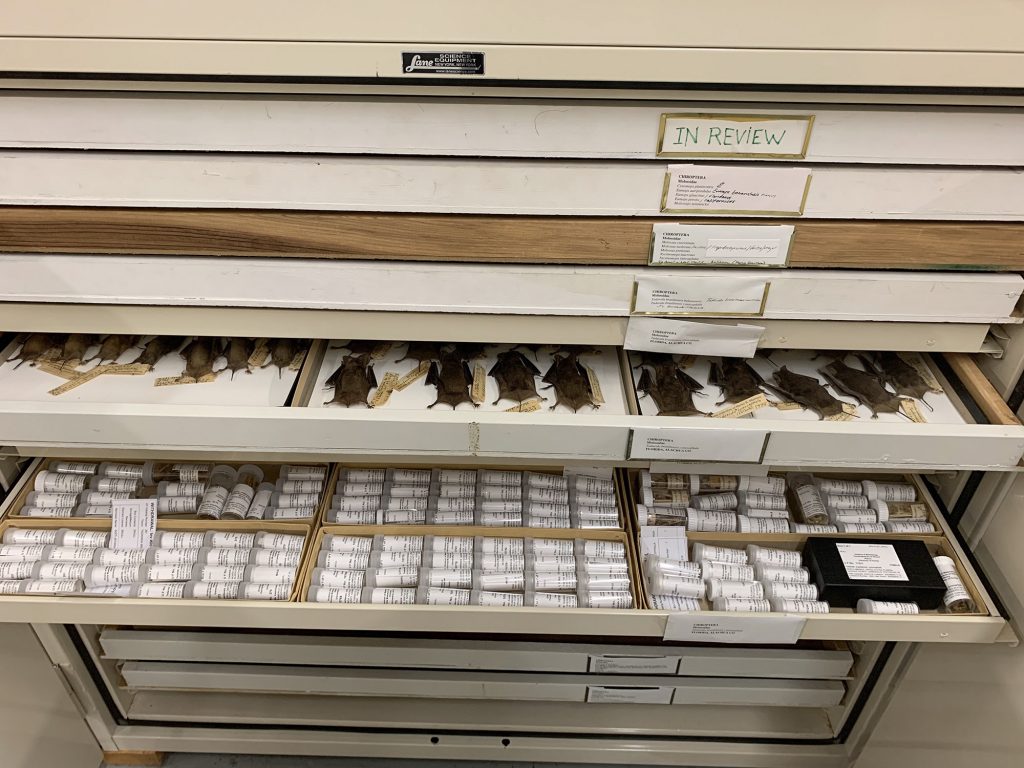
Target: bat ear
[
  {"x": 644, "y": 383},
  {"x": 371, "y": 376},
  {"x": 432, "y": 376}
]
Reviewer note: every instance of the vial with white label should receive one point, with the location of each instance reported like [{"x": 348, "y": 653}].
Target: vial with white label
[
  {"x": 557, "y": 581},
  {"x": 451, "y": 544},
  {"x": 396, "y": 559},
  {"x": 457, "y": 476},
  {"x": 452, "y": 518},
  {"x": 840, "y": 501},
  {"x": 501, "y": 563},
  {"x": 289, "y": 513},
  {"x": 669, "y": 584},
  {"x": 70, "y": 554},
  {"x": 334, "y": 594},
  {"x": 102, "y": 575},
  {"x": 853, "y": 516},
  {"x": 224, "y": 556},
  {"x": 716, "y": 569},
  {"x": 552, "y": 564},
  {"x": 683, "y": 568},
  {"x": 269, "y": 574},
  {"x": 447, "y": 491},
  {"x": 230, "y": 539},
  {"x": 117, "y": 469},
  {"x": 784, "y": 605},
  {"x": 430, "y": 595},
  {"x": 776, "y": 514},
  {"x": 674, "y": 603},
  {"x": 810, "y": 529},
  {"x": 542, "y": 480},
  {"x": 42, "y": 500},
  {"x": 297, "y": 486},
  {"x": 840, "y": 487},
  {"x": 72, "y": 538},
  {"x": 54, "y": 482},
  {"x": 218, "y": 573},
  {"x": 393, "y": 577},
  {"x": 497, "y": 599},
  {"x": 404, "y": 517},
  {"x": 325, "y": 577},
  {"x": 862, "y": 527},
  {"x": 551, "y": 599},
  {"x": 886, "y": 607},
  {"x": 734, "y": 589},
  {"x": 176, "y": 489},
  {"x": 32, "y": 536},
  {"x": 499, "y": 581},
  {"x": 303, "y": 472},
  {"x": 291, "y": 542},
  {"x": 177, "y": 505},
  {"x": 774, "y": 486},
  {"x": 604, "y": 599},
  {"x": 276, "y": 557},
  {"x": 177, "y": 572},
  {"x": 889, "y": 491},
  {"x": 900, "y": 526},
  {"x": 597, "y": 548},
  {"x": 52, "y": 512},
  {"x": 715, "y": 501},
  {"x": 765, "y": 573},
  {"x": 455, "y": 578},
  {"x": 957, "y": 599},
  {"x": 24, "y": 552},
  {"x": 713, "y": 521},
  {"x": 353, "y": 518},
  {"x": 810, "y": 504},
  {"x": 222, "y": 480},
  {"x": 212, "y": 590},
  {"x": 127, "y": 485},
  {"x": 119, "y": 557},
  {"x": 703, "y": 551},
  {"x": 747, "y": 524},
  {"x": 159, "y": 590},
  {"x": 790, "y": 590},
  {"x": 384, "y": 543},
  {"x": 741, "y": 605},
  {"x": 74, "y": 468},
  {"x": 23, "y": 569},
  {"x": 763, "y": 501},
  {"x": 341, "y": 543},
  {"x": 260, "y": 502},
  {"x": 252, "y": 591},
  {"x": 51, "y": 587},
  {"x": 179, "y": 539},
  {"x": 187, "y": 473},
  {"x": 389, "y": 595},
  {"x": 110, "y": 590}
]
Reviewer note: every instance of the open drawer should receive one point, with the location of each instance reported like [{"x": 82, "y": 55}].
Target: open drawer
[{"x": 985, "y": 626}]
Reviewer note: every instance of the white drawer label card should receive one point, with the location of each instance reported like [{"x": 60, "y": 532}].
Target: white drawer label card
[
  {"x": 668, "y": 541},
  {"x": 706, "y": 296},
  {"x": 133, "y": 523},
  {"x": 633, "y": 665},
  {"x": 687, "y": 337},
  {"x": 712, "y": 245},
  {"x": 872, "y": 562},
  {"x": 733, "y": 135},
  {"x": 742, "y": 190},
  {"x": 681, "y": 444},
  {"x": 609, "y": 694},
  {"x": 702, "y": 628}
]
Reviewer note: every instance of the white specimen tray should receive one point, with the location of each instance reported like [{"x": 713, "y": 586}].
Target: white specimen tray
[
  {"x": 797, "y": 361},
  {"x": 262, "y": 387},
  {"x": 418, "y": 395}
]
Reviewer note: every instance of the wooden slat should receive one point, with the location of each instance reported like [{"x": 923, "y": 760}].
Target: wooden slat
[
  {"x": 981, "y": 389},
  {"x": 536, "y": 239}
]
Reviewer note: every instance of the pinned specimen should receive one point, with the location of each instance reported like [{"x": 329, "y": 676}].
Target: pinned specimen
[
  {"x": 452, "y": 379},
  {"x": 865, "y": 387},
  {"x": 158, "y": 348},
  {"x": 75, "y": 347},
  {"x": 670, "y": 388},
  {"x": 200, "y": 355},
  {"x": 904, "y": 378},
  {"x": 570, "y": 382},
  {"x": 113, "y": 347},
  {"x": 35, "y": 346},
  {"x": 516, "y": 377},
  {"x": 421, "y": 352},
  {"x": 736, "y": 378},
  {"x": 238, "y": 352},
  {"x": 806, "y": 391},
  {"x": 352, "y": 381}
]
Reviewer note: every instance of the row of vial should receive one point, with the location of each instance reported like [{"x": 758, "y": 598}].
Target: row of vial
[
  {"x": 208, "y": 491},
  {"x": 180, "y": 564},
  {"x": 755, "y": 579},
  {"x": 491, "y": 498},
  {"x": 760, "y": 505},
  {"x": 471, "y": 570}
]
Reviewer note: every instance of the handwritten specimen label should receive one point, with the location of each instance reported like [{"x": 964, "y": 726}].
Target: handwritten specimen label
[
  {"x": 699, "y": 135},
  {"x": 711, "y": 245},
  {"x": 527, "y": 407},
  {"x": 479, "y": 389},
  {"x": 416, "y": 373},
  {"x": 708, "y": 296},
  {"x": 733, "y": 189},
  {"x": 384, "y": 389},
  {"x": 743, "y": 408}
]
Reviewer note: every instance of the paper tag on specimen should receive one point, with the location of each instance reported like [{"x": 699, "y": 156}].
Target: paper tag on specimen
[
  {"x": 658, "y": 334},
  {"x": 260, "y": 354},
  {"x": 595, "y": 385},
  {"x": 710, "y": 245},
  {"x": 133, "y": 523},
  {"x": 743, "y": 408},
  {"x": 479, "y": 389},
  {"x": 527, "y": 407},
  {"x": 682, "y": 444},
  {"x": 384, "y": 389},
  {"x": 78, "y": 381},
  {"x": 849, "y": 413},
  {"x": 912, "y": 412},
  {"x": 721, "y": 296},
  {"x": 764, "y": 628},
  {"x": 296, "y": 363},
  {"x": 381, "y": 349},
  {"x": 916, "y": 360},
  {"x": 871, "y": 562},
  {"x": 633, "y": 665},
  {"x": 127, "y": 369},
  {"x": 66, "y": 372},
  {"x": 416, "y": 373},
  {"x": 736, "y": 189}
]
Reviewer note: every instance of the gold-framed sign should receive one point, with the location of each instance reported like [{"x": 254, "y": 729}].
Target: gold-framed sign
[
  {"x": 784, "y": 137},
  {"x": 737, "y": 190}
]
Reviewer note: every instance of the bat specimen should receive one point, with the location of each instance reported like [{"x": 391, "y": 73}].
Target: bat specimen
[
  {"x": 533, "y": 349},
  {"x": 806, "y": 391},
  {"x": 470, "y": 350},
  {"x": 515, "y": 375},
  {"x": 736, "y": 378},
  {"x": 113, "y": 347},
  {"x": 75, "y": 347},
  {"x": 157, "y": 348},
  {"x": 200, "y": 355},
  {"x": 671, "y": 388},
  {"x": 282, "y": 353},
  {"x": 238, "y": 352},
  {"x": 35, "y": 346},
  {"x": 570, "y": 382},
  {"x": 352, "y": 381},
  {"x": 899, "y": 374},
  {"x": 360, "y": 347},
  {"x": 452, "y": 379},
  {"x": 864, "y": 387},
  {"x": 421, "y": 351}
]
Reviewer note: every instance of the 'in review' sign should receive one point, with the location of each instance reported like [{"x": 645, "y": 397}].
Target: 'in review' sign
[{"x": 698, "y": 135}]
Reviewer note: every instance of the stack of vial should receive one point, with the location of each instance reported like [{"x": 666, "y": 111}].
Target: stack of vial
[
  {"x": 211, "y": 492},
  {"x": 755, "y": 579},
  {"x": 471, "y": 570},
  {"x": 491, "y": 498},
  {"x": 180, "y": 564},
  {"x": 858, "y": 506},
  {"x": 714, "y": 503}
]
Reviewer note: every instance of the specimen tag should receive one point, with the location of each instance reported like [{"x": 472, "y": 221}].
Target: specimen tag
[
  {"x": 296, "y": 362},
  {"x": 380, "y": 350},
  {"x": 736, "y": 189},
  {"x": 65, "y": 372},
  {"x": 743, "y": 408},
  {"x": 528, "y": 407},
  {"x": 710, "y": 245},
  {"x": 127, "y": 369},
  {"x": 78, "y": 381},
  {"x": 384, "y": 389},
  {"x": 260, "y": 354},
  {"x": 133, "y": 523},
  {"x": 168, "y": 381},
  {"x": 784, "y": 406},
  {"x": 479, "y": 391},
  {"x": 848, "y": 414},
  {"x": 595, "y": 386},
  {"x": 417, "y": 373},
  {"x": 912, "y": 412}
]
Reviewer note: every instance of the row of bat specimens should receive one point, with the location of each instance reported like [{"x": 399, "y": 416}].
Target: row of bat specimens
[
  {"x": 201, "y": 354},
  {"x": 556, "y": 376},
  {"x": 821, "y": 383}
]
